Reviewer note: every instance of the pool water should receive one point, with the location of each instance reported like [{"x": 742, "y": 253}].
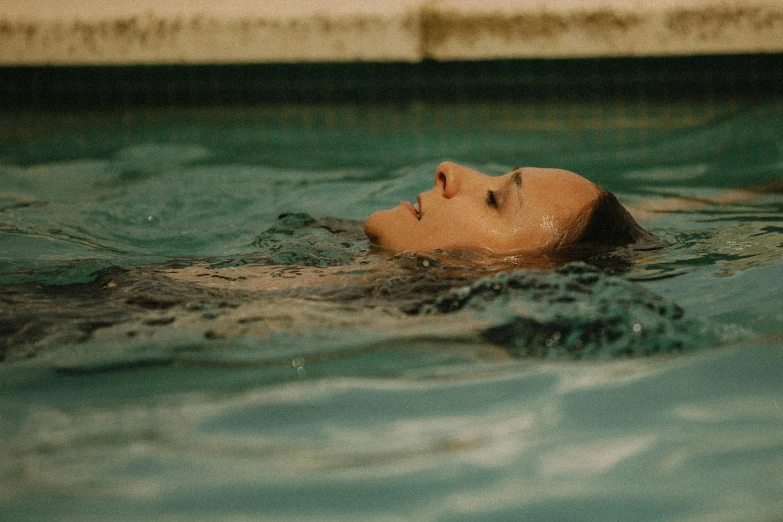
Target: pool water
[{"x": 232, "y": 405}]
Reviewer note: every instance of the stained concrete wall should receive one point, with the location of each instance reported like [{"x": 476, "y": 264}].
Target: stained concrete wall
[{"x": 35, "y": 32}]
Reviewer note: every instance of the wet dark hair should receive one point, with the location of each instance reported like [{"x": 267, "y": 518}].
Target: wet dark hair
[
  {"x": 611, "y": 225},
  {"x": 611, "y": 239}
]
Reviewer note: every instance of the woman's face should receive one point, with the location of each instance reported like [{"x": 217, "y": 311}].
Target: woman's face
[{"x": 527, "y": 210}]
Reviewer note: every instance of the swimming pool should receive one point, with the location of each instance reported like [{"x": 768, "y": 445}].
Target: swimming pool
[{"x": 330, "y": 411}]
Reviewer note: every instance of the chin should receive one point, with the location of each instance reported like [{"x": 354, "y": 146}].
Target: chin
[
  {"x": 377, "y": 226},
  {"x": 387, "y": 229}
]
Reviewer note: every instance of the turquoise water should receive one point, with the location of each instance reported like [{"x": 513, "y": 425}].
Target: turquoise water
[{"x": 239, "y": 406}]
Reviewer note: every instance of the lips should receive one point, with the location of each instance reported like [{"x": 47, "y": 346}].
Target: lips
[{"x": 411, "y": 209}]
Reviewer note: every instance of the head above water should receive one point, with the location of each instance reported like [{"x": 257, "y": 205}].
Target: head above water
[{"x": 527, "y": 211}]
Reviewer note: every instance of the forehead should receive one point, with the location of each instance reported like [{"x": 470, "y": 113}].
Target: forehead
[
  {"x": 547, "y": 180},
  {"x": 556, "y": 201},
  {"x": 548, "y": 174}
]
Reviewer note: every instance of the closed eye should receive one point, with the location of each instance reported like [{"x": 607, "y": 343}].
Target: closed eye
[{"x": 492, "y": 201}]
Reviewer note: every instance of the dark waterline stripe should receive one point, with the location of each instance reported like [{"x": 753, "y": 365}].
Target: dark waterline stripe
[{"x": 749, "y": 77}]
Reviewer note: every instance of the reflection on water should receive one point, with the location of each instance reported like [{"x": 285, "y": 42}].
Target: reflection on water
[{"x": 174, "y": 350}]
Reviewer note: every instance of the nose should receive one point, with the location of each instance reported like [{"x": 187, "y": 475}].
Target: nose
[{"x": 451, "y": 178}]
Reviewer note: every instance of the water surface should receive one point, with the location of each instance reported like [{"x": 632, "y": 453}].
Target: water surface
[{"x": 213, "y": 404}]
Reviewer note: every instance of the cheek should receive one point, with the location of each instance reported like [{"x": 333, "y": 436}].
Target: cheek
[{"x": 463, "y": 228}]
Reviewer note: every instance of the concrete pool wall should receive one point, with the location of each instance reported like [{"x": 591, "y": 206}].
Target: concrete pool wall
[{"x": 78, "y": 32}]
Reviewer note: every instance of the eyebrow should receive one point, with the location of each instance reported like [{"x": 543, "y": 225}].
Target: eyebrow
[{"x": 516, "y": 179}]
